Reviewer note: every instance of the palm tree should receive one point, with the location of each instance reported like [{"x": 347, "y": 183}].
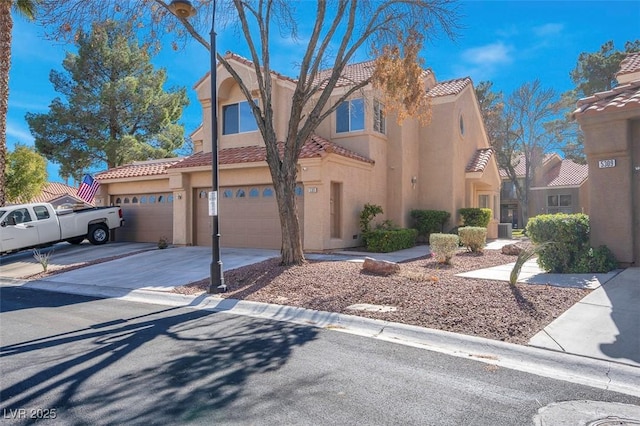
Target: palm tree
[{"x": 26, "y": 8}]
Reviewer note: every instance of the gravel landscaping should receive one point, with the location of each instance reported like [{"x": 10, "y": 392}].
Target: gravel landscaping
[{"x": 424, "y": 293}]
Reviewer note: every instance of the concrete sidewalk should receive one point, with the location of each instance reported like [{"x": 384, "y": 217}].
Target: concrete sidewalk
[{"x": 604, "y": 325}]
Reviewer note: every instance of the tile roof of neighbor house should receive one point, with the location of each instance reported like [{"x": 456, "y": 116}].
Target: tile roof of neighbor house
[
  {"x": 520, "y": 165},
  {"x": 138, "y": 169},
  {"x": 630, "y": 64},
  {"x": 315, "y": 146},
  {"x": 620, "y": 98},
  {"x": 566, "y": 173},
  {"x": 449, "y": 87},
  {"x": 53, "y": 190},
  {"x": 480, "y": 160}
]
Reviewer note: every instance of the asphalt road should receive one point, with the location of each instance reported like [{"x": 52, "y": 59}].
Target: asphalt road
[{"x": 90, "y": 361}]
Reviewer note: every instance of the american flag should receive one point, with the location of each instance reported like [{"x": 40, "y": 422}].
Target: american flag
[{"x": 88, "y": 188}]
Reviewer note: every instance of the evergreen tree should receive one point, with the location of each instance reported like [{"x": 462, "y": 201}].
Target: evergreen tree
[{"x": 114, "y": 108}]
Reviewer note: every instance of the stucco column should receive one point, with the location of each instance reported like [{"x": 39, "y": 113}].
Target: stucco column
[{"x": 179, "y": 184}]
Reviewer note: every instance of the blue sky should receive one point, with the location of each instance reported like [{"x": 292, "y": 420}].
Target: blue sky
[{"x": 507, "y": 42}]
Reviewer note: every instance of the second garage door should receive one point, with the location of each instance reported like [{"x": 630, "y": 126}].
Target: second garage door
[{"x": 248, "y": 217}]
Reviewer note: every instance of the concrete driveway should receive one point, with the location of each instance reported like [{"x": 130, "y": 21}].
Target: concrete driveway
[{"x": 143, "y": 267}]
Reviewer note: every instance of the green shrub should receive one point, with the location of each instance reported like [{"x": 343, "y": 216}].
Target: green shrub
[
  {"x": 473, "y": 237},
  {"x": 366, "y": 216},
  {"x": 474, "y": 216},
  {"x": 429, "y": 221},
  {"x": 597, "y": 260},
  {"x": 568, "y": 238},
  {"x": 444, "y": 246},
  {"x": 385, "y": 240}
]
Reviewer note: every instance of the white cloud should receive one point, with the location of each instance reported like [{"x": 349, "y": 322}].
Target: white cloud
[
  {"x": 16, "y": 134},
  {"x": 488, "y": 55},
  {"x": 548, "y": 30}
]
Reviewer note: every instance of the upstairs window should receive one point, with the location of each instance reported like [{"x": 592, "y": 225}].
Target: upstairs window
[
  {"x": 238, "y": 118},
  {"x": 379, "y": 119},
  {"x": 350, "y": 116}
]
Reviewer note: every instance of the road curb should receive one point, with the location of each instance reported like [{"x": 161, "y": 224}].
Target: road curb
[{"x": 597, "y": 373}]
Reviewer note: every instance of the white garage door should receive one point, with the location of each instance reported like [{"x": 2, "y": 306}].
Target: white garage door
[
  {"x": 147, "y": 217},
  {"x": 248, "y": 217}
]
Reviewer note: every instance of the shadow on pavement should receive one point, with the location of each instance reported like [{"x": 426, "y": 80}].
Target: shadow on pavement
[
  {"x": 624, "y": 296},
  {"x": 170, "y": 362}
]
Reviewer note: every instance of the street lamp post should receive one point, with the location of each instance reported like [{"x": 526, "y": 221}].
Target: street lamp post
[{"x": 184, "y": 9}]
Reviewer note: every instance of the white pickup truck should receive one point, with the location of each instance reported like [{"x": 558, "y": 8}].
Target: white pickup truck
[{"x": 25, "y": 226}]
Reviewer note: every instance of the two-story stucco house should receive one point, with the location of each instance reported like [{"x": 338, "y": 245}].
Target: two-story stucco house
[
  {"x": 357, "y": 156},
  {"x": 558, "y": 186}
]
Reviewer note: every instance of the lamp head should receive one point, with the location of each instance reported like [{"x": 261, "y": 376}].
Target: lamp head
[{"x": 182, "y": 8}]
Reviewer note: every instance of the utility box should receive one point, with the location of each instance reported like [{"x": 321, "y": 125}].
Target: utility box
[{"x": 505, "y": 231}]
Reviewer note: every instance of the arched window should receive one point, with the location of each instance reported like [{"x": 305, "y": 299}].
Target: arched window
[
  {"x": 240, "y": 193},
  {"x": 299, "y": 191},
  {"x": 143, "y": 199},
  {"x": 118, "y": 200},
  {"x": 152, "y": 199},
  {"x": 267, "y": 192},
  {"x": 227, "y": 193},
  {"x": 203, "y": 194},
  {"x": 134, "y": 200},
  {"x": 170, "y": 199},
  {"x": 126, "y": 200},
  {"x": 161, "y": 198},
  {"x": 253, "y": 193}
]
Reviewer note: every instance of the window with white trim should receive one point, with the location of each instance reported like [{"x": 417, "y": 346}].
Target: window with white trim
[
  {"x": 379, "y": 119},
  {"x": 238, "y": 118},
  {"x": 350, "y": 116}
]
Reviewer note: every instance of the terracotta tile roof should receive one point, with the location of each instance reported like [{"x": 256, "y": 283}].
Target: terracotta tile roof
[
  {"x": 314, "y": 147},
  {"x": 480, "y": 160},
  {"x": 51, "y": 191},
  {"x": 566, "y": 173},
  {"x": 520, "y": 163},
  {"x": 620, "y": 98},
  {"x": 352, "y": 74},
  {"x": 449, "y": 87},
  {"x": 630, "y": 64},
  {"x": 138, "y": 168}
]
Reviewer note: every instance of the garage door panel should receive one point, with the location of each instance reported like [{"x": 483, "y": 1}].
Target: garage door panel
[
  {"x": 145, "y": 221},
  {"x": 250, "y": 221}
]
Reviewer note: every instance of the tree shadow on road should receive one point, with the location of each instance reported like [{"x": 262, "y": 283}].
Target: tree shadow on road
[{"x": 174, "y": 364}]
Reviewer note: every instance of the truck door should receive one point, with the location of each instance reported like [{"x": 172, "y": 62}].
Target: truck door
[
  {"x": 18, "y": 230},
  {"x": 47, "y": 225}
]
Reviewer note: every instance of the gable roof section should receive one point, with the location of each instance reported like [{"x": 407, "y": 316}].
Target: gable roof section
[
  {"x": 566, "y": 173},
  {"x": 52, "y": 191},
  {"x": 138, "y": 169},
  {"x": 620, "y": 98},
  {"x": 630, "y": 65},
  {"x": 480, "y": 160},
  {"x": 449, "y": 87},
  {"x": 520, "y": 166},
  {"x": 315, "y": 146}
]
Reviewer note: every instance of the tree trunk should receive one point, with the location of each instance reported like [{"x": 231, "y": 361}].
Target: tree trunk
[
  {"x": 6, "y": 25},
  {"x": 285, "y": 186}
]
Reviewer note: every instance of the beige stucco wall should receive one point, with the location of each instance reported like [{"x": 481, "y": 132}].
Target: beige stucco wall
[{"x": 614, "y": 136}]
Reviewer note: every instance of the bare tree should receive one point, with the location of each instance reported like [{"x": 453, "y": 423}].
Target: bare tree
[
  {"x": 340, "y": 30},
  {"x": 527, "y": 135}
]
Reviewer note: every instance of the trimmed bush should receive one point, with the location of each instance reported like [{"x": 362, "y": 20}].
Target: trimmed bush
[
  {"x": 385, "y": 241},
  {"x": 474, "y": 216},
  {"x": 567, "y": 237},
  {"x": 444, "y": 246},
  {"x": 473, "y": 237},
  {"x": 429, "y": 221},
  {"x": 597, "y": 260}
]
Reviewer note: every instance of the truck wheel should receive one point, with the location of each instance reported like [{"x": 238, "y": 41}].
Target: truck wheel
[
  {"x": 98, "y": 234},
  {"x": 75, "y": 241}
]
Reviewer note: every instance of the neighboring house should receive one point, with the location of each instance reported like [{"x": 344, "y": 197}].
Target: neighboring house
[
  {"x": 356, "y": 156},
  {"x": 559, "y": 186},
  {"x": 611, "y": 124},
  {"x": 59, "y": 195}
]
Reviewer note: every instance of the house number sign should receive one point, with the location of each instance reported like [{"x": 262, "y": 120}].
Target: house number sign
[{"x": 605, "y": 164}]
